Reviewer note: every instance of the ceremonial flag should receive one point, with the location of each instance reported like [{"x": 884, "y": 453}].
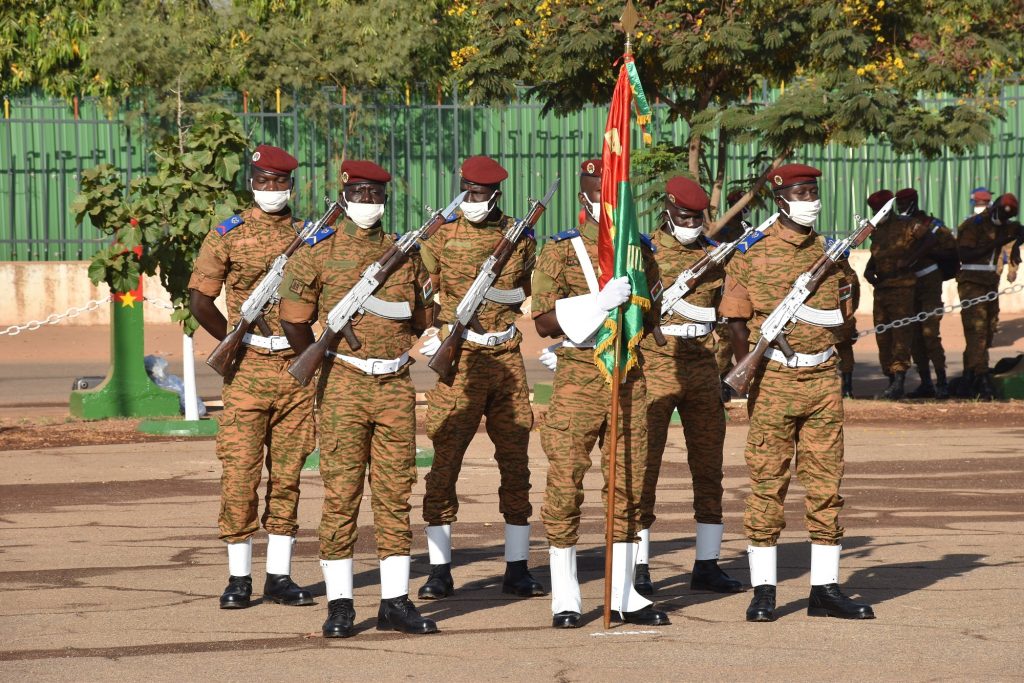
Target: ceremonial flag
[{"x": 618, "y": 241}]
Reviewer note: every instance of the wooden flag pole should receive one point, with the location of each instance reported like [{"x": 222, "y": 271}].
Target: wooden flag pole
[{"x": 613, "y": 440}]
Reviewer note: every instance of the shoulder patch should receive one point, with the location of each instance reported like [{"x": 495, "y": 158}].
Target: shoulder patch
[
  {"x": 565, "y": 235},
  {"x": 319, "y": 236},
  {"x": 749, "y": 241},
  {"x": 646, "y": 239},
  {"x": 228, "y": 224},
  {"x": 829, "y": 241}
]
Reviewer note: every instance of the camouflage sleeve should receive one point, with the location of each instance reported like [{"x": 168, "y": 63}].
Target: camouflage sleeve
[
  {"x": 548, "y": 284},
  {"x": 653, "y": 272},
  {"x": 300, "y": 288},
  {"x": 424, "y": 288},
  {"x": 430, "y": 251},
  {"x": 736, "y": 301},
  {"x": 967, "y": 236},
  {"x": 529, "y": 254},
  {"x": 945, "y": 239},
  {"x": 848, "y": 289},
  {"x": 211, "y": 265}
]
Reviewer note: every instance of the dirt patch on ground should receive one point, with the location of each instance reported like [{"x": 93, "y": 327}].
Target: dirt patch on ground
[
  {"x": 918, "y": 414},
  {"x": 26, "y": 433}
]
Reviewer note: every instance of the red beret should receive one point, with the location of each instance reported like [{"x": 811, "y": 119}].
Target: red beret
[
  {"x": 353, "y": 172},
  {"x": 1009, "y": 200},
  {"x": 734, "y": 196},
  {"x": 483, "y": 170},
  {"x": 907, "y": 193},
  {"x": 878, "y": 199},
  {"x": 592, "y": 167},
  {"x": 792, "y": 174},
  {"x": 686, "y": 194},
  {"x": 274, "y": 160},
  {"x": 981, "y": 194}
]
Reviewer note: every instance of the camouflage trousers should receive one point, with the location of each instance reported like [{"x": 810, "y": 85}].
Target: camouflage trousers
[
  {"x": 491, "y": 385},
  {"x": 893, "y": 303},
  {"x": 927, "y": 344},
  {"x": 723, "y": 348},
  {"x": 795, "y": 411},
  {"x": 844, "y": 348},
  {"x": 979, "y": 326},
  {"x": 367, "y": 423},
  {"x": 577, "y": 419},
  {"x": 691, "y": 385},
  {"x": 267, "y": 420}
]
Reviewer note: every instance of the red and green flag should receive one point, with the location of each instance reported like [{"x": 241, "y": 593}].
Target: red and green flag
[{"x": 618, "y": 242}]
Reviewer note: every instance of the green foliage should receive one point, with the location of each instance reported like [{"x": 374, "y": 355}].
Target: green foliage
[{"x": 169, "y": 212}]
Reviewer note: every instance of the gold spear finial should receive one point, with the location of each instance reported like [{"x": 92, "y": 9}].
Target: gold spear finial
[{"x": 628, "y": 21}]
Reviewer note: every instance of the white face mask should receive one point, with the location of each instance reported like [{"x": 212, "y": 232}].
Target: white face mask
[
  {"x": 594, "y": 210},
  {"x": 684, "y": 235},
  {"x": 363, "y": 214},
  {"x": 477, "y": 212},
  {"x": 271, "y": 201},
  {"x": 979, "y": 209},
  {"x": 803, "y": 213}
]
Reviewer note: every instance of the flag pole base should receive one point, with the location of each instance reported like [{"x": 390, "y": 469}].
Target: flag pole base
[{"x": 196, "y": 428}]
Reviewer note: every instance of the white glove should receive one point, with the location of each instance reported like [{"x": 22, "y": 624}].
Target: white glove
[
  {"x": 432, "y": 343},
  {"x": 614, "y": 294},
  {"x": 548, "y": 359}
]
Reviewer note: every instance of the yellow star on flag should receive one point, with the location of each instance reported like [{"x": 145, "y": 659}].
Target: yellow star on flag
[{"x": 128, "y": 300}]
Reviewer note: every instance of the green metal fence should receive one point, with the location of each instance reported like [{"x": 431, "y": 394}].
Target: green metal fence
[{"x": 44, "y": 148}]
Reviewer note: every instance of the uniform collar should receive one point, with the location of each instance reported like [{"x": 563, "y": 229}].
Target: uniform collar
[
  {"x": 589, "y": 229},
  {"x": 667, "y": 241},
  {"x": 497, "y": 223},
  {"x": 259, "y": 214},
  {"x": 791, "y": 236},
  {"x": 352, "y": 230}
]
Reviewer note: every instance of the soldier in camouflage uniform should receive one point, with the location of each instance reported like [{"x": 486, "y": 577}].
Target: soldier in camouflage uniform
[
  {"x": 566, "y": 302},
  {"x": 980, "y": 240},
  {"x": 267, "y": 418},
  {"x": 891, "y": 244},
  {"x": 366, "y": 400},
  {"x": 930, "y": 269},
  {"x": 490, "y": 381},
  {"x": 795, "y": 405},
  {"x": 683, "y": 376}
]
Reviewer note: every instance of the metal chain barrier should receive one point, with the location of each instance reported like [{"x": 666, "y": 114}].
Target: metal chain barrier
[
  {"x": 949, "y": 308},
  {"x": 55, "y": 318},
  {"x": 159, "y": 304}
]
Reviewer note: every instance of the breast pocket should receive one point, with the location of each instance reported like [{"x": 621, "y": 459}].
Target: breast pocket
[{"x": 245, "y": 275}]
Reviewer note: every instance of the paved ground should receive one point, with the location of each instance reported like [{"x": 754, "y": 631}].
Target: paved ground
[{"x": 110, "y": 569}]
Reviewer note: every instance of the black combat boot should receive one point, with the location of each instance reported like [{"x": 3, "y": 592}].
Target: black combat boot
[
  {"x": 984, "y": 387},
  {"x": 440, "y": 583},
  {"x": 762, "y": 605},
  {"x": 648, "y": 616},
  {"x": 894, "y": 391},
  {"x": 642, "y": 579},
  {"x": 708, "y": 576},
  {"x": 399, "y": 614},
  {"x": 567, "y": 620},
  {"x": 847, "y": 385},
  {"x": 965, "y": 385},
  {"x": 925, "y": 389},
  {"x": 941, "y": 385},
  {"x": 237, "y": 594},
  {"x": 341, "y": 617},
  {"x": 519, "y": 581},
  {"x": 281, "y": 589},
  {"x": 829, "y": 601}
]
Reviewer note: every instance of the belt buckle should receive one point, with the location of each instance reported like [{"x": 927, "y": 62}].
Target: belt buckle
[
  {"x": 374, "y": 364},
  {"x": 492, "y": 340},
  {"x": 793, "y": 362}
]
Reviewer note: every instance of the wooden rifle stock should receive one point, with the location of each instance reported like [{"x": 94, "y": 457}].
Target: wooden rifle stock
[
  {"x": 308, "y": 362},
  {"x": 743, "y": 372},
  {"x": 446, "y": 360},
  {"x": 223, "y": 357}
]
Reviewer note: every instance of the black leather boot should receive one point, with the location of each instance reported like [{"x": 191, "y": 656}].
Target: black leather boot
[
  {"x": 941, "y": 385},
  {"x": 237, "y": 594},
  {"x": 895, "y": 390},
  {"x": 399, "y": 614},
  {"x": 829, "y": 601},
  {"x": 440, "y": 583},
  {"x": 984, "y": 387},
  {"x": 847, "y": 385},
  {"x": 567, "y": 620},
  {"x": 762, "y": 605},
  {"x": 965, "y": 385},
  {"x": 925, "y": 389},
  {"x": 642, "y": 580},
  {"x": 648, "y": 616},
  {"x": 520, "y": 582},
  {"x": 281, "y": 589},
  {"x": 341, "y": 617},
  {"x": 708, "y": 576}
]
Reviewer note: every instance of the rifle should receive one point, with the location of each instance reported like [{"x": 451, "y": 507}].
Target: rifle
[
  {"x": 360, "y": 298},
  {"x": 789, "y": 310},
  {"x": 920, "y": 248},
  {"x": 446, "y": 360},
  {"x": 224, "y": 356}
]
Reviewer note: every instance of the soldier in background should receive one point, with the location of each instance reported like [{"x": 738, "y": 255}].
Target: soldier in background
[
  {"x": 567, "y": 302},
  {"x": 366, "y": 400},
  {"x": 683, "y": 375},
  {"x": 267, "y": 417},
  {"x": 490, "y": 381},
  {"x": 795, "y": 406}
]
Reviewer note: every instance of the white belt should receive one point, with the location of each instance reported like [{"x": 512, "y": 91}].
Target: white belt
[
  {"x": 687, "y": 330},
  {"x": 801, "y": 360},
  {"x": 375, "y": 366},
  {"x": 275, "y": 343},
  {"x": 986, "y": 267},
  {"x": 927, "y": 271},
  {"x": 489, "y": 338},
  {"x": 588, "y": 344}
]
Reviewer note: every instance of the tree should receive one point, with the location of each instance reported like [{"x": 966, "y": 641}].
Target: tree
[{"x": 847, "y": 70}]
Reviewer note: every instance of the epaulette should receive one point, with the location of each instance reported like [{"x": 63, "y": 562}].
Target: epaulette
[
  {"x": 565, "y": 235},
  {"x": 829, "y": 241},
  {"x": 228, "y": 224},
  {"x": 712, "y": 243},
  {"x": 979, "y": 219},
  {"x": 319, "y": 236},
  {"x": 646, "y": 239},
  {"x": 749, "y": 241}
]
